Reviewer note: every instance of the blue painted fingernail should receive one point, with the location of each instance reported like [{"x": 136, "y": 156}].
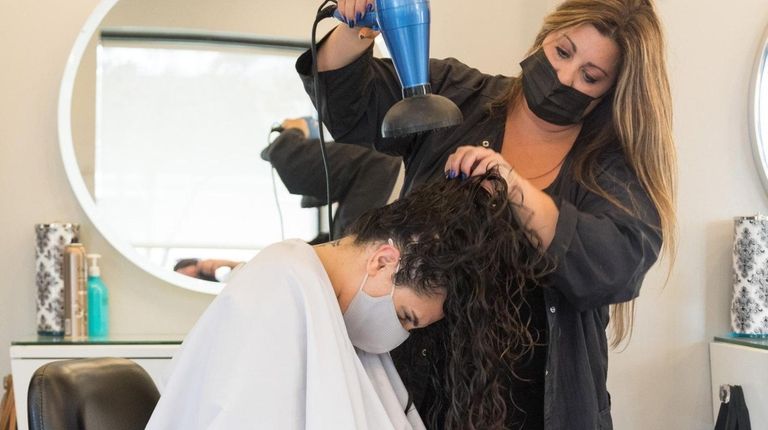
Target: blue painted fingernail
[
  {"x": 453, "y": 175},
  {"x": 370, "y": 7},
  {"x": 358, "y": 17},
  {"x": 463, "y": 176},
  {"x": 352, "y": 24}
]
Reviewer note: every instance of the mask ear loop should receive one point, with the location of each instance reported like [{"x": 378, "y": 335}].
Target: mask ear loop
[{"x": 362, "y": 284}]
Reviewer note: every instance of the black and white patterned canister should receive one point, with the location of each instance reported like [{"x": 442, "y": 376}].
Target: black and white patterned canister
[
  {"x": 749, "y": 307},
  {"x": 50, "y": 243}
]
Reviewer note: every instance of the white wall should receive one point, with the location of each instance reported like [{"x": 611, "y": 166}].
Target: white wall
[
  {"x": 660, "y": 381},
  {"x": 662, "y": 377}
]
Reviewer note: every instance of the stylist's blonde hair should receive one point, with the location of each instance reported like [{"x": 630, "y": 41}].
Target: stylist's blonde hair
[{"x": 638, "y": 114}]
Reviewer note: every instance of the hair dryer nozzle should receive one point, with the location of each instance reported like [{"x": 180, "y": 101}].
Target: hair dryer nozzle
[{"x": 420, "y": 113}]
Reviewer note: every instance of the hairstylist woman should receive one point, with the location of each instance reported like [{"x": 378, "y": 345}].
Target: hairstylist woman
[{"x": 584, "y": 137}]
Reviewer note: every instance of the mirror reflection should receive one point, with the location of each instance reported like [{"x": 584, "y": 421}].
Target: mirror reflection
[
  {"x": 170, "y": 112},
  {"x": 758, "y": 107}
]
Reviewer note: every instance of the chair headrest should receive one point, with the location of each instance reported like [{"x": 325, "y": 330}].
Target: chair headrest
[{"x": 92, "y": 393}]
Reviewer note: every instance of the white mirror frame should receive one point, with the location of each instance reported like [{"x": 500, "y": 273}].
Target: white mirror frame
[
  {"x": 759, "y": 145},
  {"x": 66, "y": 145}
]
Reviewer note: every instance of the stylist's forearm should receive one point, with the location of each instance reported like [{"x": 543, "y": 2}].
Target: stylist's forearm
[
  {"x": 342, "y": 47},
  {"x": 539, "y": 212}
]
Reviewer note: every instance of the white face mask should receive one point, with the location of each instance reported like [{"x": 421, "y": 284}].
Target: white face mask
[{"x": 372, "y": 322}]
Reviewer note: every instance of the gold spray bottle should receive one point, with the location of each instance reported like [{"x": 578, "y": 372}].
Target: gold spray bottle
[{"x": 75, "y": 291}]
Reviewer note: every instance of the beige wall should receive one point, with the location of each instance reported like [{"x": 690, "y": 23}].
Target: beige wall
[
  {"x": 35, "y": 39},
  {"x": 660, "y": 381},
  {"x": 662, "y": 378}
]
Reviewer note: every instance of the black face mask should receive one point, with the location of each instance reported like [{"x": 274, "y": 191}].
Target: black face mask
[{"x": 549, "y": 99}]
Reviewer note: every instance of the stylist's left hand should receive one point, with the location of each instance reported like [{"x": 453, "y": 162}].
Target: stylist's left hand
[{"x": 475, "y": 160}]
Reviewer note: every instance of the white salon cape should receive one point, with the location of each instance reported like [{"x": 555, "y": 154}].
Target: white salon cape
[{"x": 272, "y": 352}]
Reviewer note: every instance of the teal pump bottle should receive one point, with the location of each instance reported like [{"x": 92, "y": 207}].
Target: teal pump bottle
[{"x": 98, "y": 300}]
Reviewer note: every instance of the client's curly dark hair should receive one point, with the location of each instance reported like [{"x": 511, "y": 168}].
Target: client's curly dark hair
[{"x": 465, "y": 237}]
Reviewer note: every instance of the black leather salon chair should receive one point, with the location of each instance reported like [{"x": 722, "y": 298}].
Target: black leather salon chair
[{"x": 91, "y": 394}]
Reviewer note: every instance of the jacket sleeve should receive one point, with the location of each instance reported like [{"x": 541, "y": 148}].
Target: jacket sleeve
[
  {"x": 358, "y": 96},
  {"x": 355, "y": 99},
  {"x": 299, "y": 164},
  {"x": 602, "y": 252}
]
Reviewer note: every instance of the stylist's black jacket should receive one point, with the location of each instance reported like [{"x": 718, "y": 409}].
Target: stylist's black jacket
[{"x": 602, "y": 253}]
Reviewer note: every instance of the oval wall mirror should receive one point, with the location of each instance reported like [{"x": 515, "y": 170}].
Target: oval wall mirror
[
  {"x": 164, "y": 109},
  {"x": 758, "y": 111}
]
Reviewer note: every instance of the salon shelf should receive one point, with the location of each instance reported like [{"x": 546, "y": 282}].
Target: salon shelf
[
  {"x": 111, "y": 340},
  {"x": 753, "y": 342},
  {"x": 153, "y": 353}
]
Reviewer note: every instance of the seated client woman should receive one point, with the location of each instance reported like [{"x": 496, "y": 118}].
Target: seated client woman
[{"x": 300, "y": 336}]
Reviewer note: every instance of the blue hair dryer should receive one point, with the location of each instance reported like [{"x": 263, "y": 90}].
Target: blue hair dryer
[{"x": 405, "y": 27}]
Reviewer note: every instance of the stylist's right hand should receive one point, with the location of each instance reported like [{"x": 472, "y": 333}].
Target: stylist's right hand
[
  {"x": 297, "y": 123},
  {"x": 354, "y": 10}
]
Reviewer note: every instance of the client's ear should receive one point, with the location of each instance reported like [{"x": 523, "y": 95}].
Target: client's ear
[{"x": 385, "y": 254}]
